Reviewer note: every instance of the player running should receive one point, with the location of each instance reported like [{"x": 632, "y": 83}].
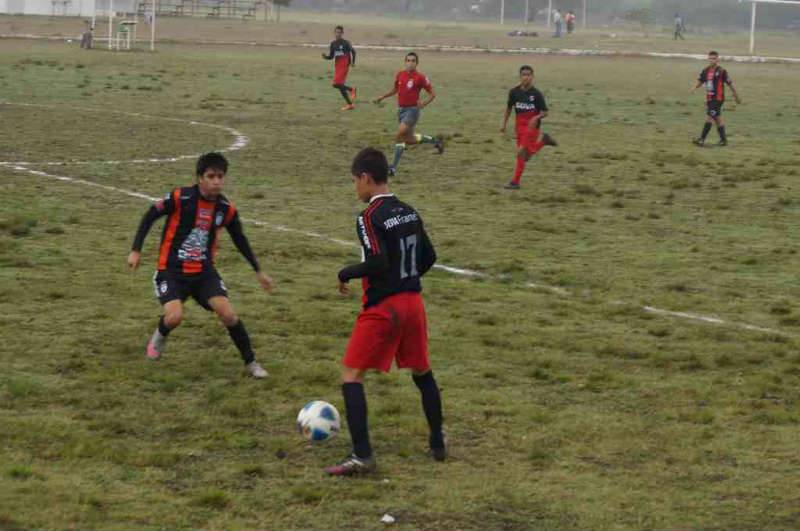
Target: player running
[
  {"x": 407, "y": 85},
  {"x": 186, "y": 256},
  {"x": 714, "y": 77},
  {"x": 391, "y": 327},
  {"x": 530, "y": 108},
  {"x": 344, "y": 56}
]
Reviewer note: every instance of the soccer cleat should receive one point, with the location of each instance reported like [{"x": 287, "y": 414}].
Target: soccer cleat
[
  {"x": 512, "y": 186},
  {"x": 353, "y": 94},
  {"x": 352, "y": 465},
  {"x": 723, "y": 143},
  {"x": 439, "y": 144},
  {"x": 439, "y": 454},
  {"x": 256, "y": 370},
  {"x": 548, "y": 140},
  {"x": 698, "y": 142},
  {"x": 348, "y": 107},
  {"x": 392, "y": 171},
  {"x": 152, "y": 352}
]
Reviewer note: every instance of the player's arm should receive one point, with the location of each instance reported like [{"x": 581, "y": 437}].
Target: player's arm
[
  {"x": 431, "y": 96},
  {"x": 352, "y": 56},
  {"x": 376, "y": 261},
  {"x": 329, "y": 56},
  {"x": 509, "y": 106},
  {"x": 243, "y": 245},
  {"x": 387, "y": 95},
  {"x": 427, "y": 254},
  {"x": 158, "y": 209},
  {"x": 541, "y": 104},
  {"x": 729, "y": 82},
  {"x": 698, "y": 83}
]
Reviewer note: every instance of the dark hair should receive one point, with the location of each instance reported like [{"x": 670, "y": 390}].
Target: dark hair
[
  {"x": 715, "y": 54},
  {"x": 414, "y": 54},
  {"x": 339, "y": 28},
  {"x": 212, "y": 160},
  {"x": 372, "y": 162},
  {"x": 523, "y": 68}
]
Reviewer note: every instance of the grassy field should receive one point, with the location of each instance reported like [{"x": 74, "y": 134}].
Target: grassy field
[
  {"x": 565, "y": 411},
  {"x": 309, "y": 27}
]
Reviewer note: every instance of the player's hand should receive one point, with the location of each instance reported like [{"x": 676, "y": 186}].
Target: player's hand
[
  {"x": 133, "y": 260},
  {"x": 503, "y": 129},
  {"x": 324, "y": 56},
  {"x": 264, "y": 280},
  {"x": 377, "y": 100},
  {"x": 344, "y": 288},
  {"x": 738, "y": 100}
]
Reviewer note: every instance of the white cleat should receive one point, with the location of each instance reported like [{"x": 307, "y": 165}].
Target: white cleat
[{"x": 256, "y": 370}]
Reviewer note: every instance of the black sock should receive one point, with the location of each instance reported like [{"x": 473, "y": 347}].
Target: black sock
[
  {"x": 345, "y": 90},
  {"x": 355, "y": 404},
  {"x": 706, "y": 130},
  {"x": 432, "y": 405},
  {"x": 722, "y": 135},
  {"x": 162, "y": 327},
  {"x": 242, "y": 341}
]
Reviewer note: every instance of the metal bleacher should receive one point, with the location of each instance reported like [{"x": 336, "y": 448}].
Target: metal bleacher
[{"x": 206, "y": 8}]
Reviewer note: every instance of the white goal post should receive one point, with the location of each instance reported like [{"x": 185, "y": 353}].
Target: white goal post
[{"x": 753, "y": 17}]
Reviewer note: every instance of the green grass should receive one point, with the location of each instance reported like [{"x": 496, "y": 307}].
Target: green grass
[{"x": 564, "y": 411}]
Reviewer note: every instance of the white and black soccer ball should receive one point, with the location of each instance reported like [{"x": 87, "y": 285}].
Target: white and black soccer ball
[{"x": 318, "y": 421}]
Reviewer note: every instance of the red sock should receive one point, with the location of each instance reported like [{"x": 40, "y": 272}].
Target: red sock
[{"x": 518, "y": 170}]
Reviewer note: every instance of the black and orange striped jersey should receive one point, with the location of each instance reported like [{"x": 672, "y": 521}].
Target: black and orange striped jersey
[
  {"x": 714, "y": 80},
  {"x": 396, "y": 250},
  {"x": 189, "y": 239}
]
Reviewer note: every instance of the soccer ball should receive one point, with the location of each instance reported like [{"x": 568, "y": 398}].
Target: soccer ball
[{"x": 318, "y": 421}]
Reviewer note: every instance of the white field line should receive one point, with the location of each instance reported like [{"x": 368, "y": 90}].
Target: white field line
[
  {"x": 460, "y": 49},
  {"x": 241, "y": 141}
]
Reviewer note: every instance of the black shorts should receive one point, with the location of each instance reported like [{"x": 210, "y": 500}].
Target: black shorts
[
  {"x": 201, "y": 287},
  {"x": 714, "y": 108}
]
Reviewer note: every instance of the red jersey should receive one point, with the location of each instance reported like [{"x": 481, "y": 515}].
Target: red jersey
[{"x": 409, "y": 85}]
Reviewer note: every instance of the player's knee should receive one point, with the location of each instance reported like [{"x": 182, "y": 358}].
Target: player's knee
[
  {"x": 173, "y": 318},
  {"x": 228, "y": 317},
  {"x": 351, "y": 375}
]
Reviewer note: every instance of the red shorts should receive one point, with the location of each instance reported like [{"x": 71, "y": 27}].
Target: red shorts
[
  {"x": 528, "y": 138},
  {"x": 340, "y": 72},
  {"x": 393, "y": 329}
]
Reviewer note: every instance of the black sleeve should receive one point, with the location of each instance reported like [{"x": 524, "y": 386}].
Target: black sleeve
[
  {"x": 330, "y": 53},
  {"x": 541, "y": 104},
  {"x": 352, "y": 54},
  {"x": 376, "y": 261},
  {"x": 160, "y": 208},
  {"x": 241, "y": 243},
  {"x": 510, "y": 99},
  {"x": 702, "y": 77},
  {"x": 427, "y": 255},
  {"x": 374, "y": 264}
]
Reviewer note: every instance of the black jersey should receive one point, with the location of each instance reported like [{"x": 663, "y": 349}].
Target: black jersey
[
  {"x": 342, "y": 50},
  {"x": 714, "y": 80},
  {"x": 396, "y": 250},
  {"x": 189, "y": 240},
  {"x": 526, "y": 103}
]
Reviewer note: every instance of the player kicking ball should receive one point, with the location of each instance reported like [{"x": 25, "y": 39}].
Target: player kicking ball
[
  {"x": 714, "y": 78},
  {"x": 391, "y": 327},
  {"x": 344, "y": 56},
  {"x": 530, "y": 108},
  {"x": 408, "y": 83},
  {"x": 186, "y": 256}
]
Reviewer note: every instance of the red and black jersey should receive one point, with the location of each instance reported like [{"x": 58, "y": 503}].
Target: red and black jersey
[
  {"x": 527, "y": 104},
  {"x": 714, "y": 80},
  {"x": 395, "y": 248},
  {"x": 189, "y": 240},
  {"x": 342, "y": 52},
  {"x": 409, "y": 85}
]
